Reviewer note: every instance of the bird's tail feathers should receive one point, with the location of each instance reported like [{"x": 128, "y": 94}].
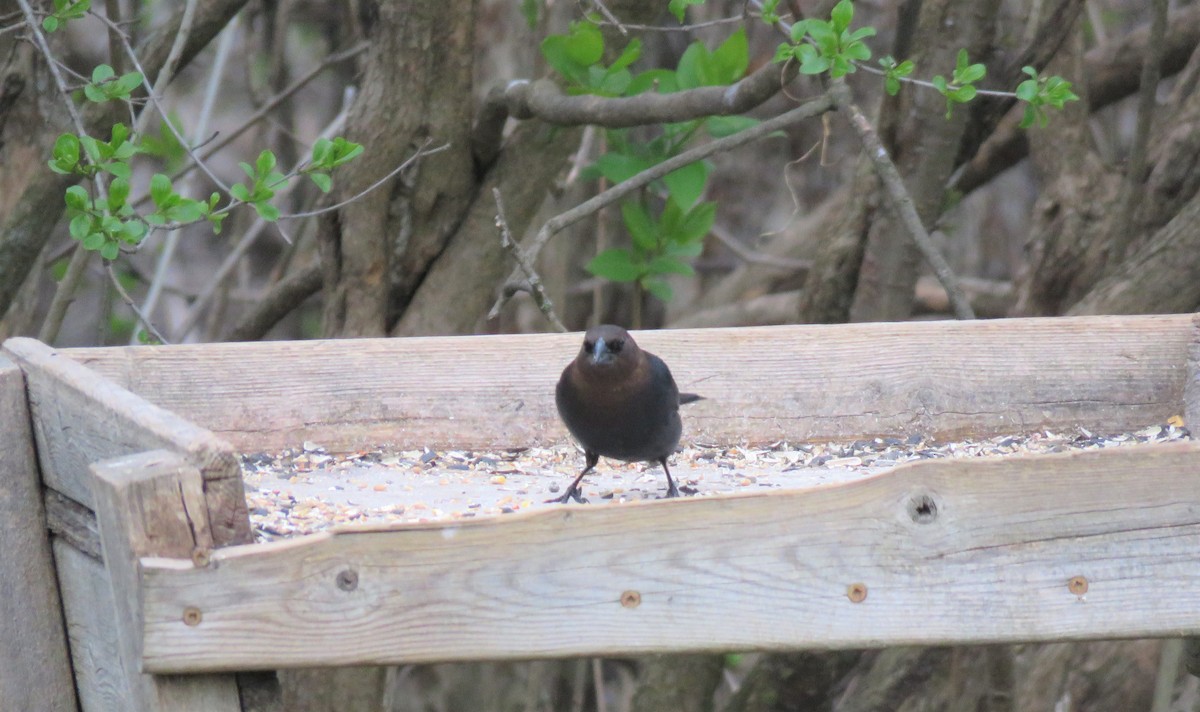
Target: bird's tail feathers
[{"x": 685, "y": 398}]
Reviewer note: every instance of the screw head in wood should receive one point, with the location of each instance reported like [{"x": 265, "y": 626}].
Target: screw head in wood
[
  {"x": 631, "y": 599},
  {"x": 856, "y": 592},
  {"x": 1078, "y": 585},
  {"x": 192, "y": 616},
  {"x": 347, "y": 579}
]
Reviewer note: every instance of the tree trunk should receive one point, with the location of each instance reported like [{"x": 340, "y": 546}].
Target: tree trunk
[{"x": 417, "y": 87}]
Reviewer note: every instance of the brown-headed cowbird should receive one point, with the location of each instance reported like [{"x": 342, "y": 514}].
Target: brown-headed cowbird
[{"x": 620, "y": 402}]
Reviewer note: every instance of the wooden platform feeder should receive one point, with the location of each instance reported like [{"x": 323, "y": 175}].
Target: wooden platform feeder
[{"x": 164, "y": 595}]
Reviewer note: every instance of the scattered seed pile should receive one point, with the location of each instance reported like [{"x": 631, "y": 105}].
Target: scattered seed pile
[{"x": 299, "y": 491}]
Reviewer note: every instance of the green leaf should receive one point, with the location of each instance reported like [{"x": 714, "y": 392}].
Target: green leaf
[
  {"x": 76, "y": 198},
  {"x": 722, "y": 126},
  {"x": 110, "y": 250},
  {"x": 679, "y": 7},
  {"x": 132, "y": 231},
  {"x": 824, "y": 35},
  {"x": 321, "y": 151},
  {"x": 732, "y": 57},
  {"x": 265, "y": 163},
  {"x": 669, "y": 265},
  {"x": 80, "y": 226},
  {"x": 892, "y": 85},
  {"x": 93, "y": 241},
  {"x": 585, "y": 44},
  {"x": 696, "y": 224},
  {"x": 118, "y": 191},
  {"x": 160, "y": 189},
  {"x": 619, "y": 167},
  {"x": 266, "y": 211},
  {"x": 615, "y": 264},
  {"x": 661, "y": 79},
  {"x": 102, "y": 73},
  {"x": 118, "y": 169},
  {"x": 696, "y": 67},
  {"x": 799, "y": 30},
  {"x": 842, "y": 15},
  {"x": 1027, "y": 90},
  {"x": 640, "y": 225},
  {"x": 94, "y": 94},
  {"x": 629, "y": 55},
  {"x": 50, "y": 24},
  {"x": 240, "y": 191},
  {"x": 687, "y": 184},
  {"x": 659, "y": 288},
  {"x": 322, "y": 180}
]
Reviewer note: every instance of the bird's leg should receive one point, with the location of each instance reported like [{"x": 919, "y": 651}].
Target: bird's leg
[
  {"x": 574, "y": 492},
  {"x": 672, "y": 490}
]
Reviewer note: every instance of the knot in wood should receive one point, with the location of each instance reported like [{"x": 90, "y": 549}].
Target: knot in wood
[
  {"x": 631, "y": 599},
  {"x": 922, "y": 509},
  {"x": 347, "y": 579},
  {"x": 201, "y": 557},
  {"x": 856, "y": 592},
  {"x": 192, "y": 616},
  {"x": 1078, "y": 585}
]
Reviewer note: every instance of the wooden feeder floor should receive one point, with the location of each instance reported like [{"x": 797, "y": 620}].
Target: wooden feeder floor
[{"x": 308, "y": 489}]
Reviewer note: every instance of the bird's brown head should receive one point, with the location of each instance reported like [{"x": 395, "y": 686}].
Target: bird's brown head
[{"x": 608, "y": 347}]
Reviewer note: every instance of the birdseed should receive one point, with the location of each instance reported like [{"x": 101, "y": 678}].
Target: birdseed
[{"x": 308, "y": 489}]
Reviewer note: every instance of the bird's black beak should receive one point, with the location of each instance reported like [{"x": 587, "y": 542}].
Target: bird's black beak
[{"x": 601, "y": 354}]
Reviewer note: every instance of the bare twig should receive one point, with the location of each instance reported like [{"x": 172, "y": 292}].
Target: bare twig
[
  {"x": 535, "y": 281},
  {"x": 901, "y": 201},
  {"x": 421, "y": 152},
  {"x": 64, "y": 295},
  {"x": 807, "y": 110},
  {"x": 171, "y": 241},
  {"x": 263, "y": 111},
  {"x": 132, "y": 305},
  {"x": 753, "y": 257},
  {"x": 612, "y": 19}
]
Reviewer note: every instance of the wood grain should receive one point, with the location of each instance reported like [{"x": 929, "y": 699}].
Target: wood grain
[
  {"x": 797, "y": 383},
  {"x": 945, "y": 552},
  {"x": 92, "y": 630},
  {"x": 80, "y": 418},
  {"x": 152, "y": 504},
  {"x": 35, "y": 672}
]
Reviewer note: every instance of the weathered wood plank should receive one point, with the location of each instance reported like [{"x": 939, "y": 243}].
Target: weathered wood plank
[
  {"x": 35, "y": 672},
  {"x": 152, "y": 504},
  {"x": 796, "y": 383},
  {"x": 1098, "y": 544},
  {"x": 73, "y": 523},
  {"x": 92, "y": 630},
  {"x": 80, "y": 418}
]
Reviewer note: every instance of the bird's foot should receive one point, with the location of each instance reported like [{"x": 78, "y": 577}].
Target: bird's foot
[
  {"x": 572, "y": 493},
  {"x": 672, "y": 491}
]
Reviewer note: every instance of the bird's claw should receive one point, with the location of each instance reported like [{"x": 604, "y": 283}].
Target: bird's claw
[{"x": 570, "y": 494}]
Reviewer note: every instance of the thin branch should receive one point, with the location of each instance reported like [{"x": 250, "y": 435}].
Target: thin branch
[
  {"x": 753, "y": 257},
  {"x": 544, "y": 99},
  {"x": 171, "y": 241},
  {"x": 266, "y": 109},
  {"x": 64, "y": 295},
  {"x": 901, "y": 201},
  {"x": 536, "y": 289},
  {"x": 612, "y": 19},
  {"x": 421, "y": 152},
  {"x": 807, "y": 110},
  {"x": 278, "y": 302},
  {"x": 132, "y": 305}
]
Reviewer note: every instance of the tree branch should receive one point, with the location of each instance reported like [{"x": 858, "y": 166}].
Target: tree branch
[
  {"x": 284, "y": 297},
  {"x": 535, "y": 281},
  {"x": 901, "y": 201},
  {"x": 809, "y": 109}
]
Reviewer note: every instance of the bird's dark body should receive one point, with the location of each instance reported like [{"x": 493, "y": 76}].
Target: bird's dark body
[
  {"x": 626, "y": 419},
  {"x": 620, "y": 402}
]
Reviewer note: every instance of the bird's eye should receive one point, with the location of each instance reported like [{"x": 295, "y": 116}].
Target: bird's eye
[
  {"x": 616, "y": 346},
  {"x": 589, "y": 345}
]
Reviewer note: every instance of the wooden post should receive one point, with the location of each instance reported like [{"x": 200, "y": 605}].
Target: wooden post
[
  {"x": 1191, "y": 420},
  {"x": 152, "y": 504},
  {"x": 34, "y": 668}
]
